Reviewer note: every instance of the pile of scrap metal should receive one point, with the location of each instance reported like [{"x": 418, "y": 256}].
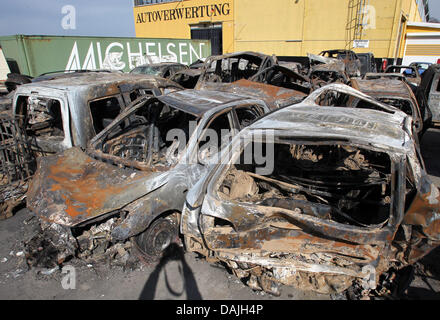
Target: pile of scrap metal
[{"x": 338, "y": 200}]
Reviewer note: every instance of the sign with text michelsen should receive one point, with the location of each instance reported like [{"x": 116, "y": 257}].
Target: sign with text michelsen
[
  {"x": 149, "y": 14},
  {"x": 40, "y": 54}
]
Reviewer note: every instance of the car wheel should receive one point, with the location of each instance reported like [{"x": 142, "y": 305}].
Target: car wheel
[{"x": 156, "y": 238}]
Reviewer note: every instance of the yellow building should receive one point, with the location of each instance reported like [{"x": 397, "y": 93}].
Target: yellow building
[{"x": 284, "y": 27}]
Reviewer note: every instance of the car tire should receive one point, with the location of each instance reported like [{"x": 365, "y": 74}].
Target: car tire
[{"x": 151, "y": 243}]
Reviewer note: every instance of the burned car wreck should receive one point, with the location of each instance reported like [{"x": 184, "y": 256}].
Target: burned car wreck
[
  {"x": 324, "y": 70},
  {"x": 340, "y": 198},
  {"x": 133, "y": 178},
  {"x": 231, "y": 67}
]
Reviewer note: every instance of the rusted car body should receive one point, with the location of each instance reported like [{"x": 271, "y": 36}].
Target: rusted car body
[
  {"x": 231, "y": 67},
  {"x": 397, "y": 94},
  {"x": 134, "y": 176},
  {"x": 347, "y": 199},
  {"x": 66, "y": 112},
  {"x": 274, "y": 96},
  {"x": 284, "y": 77}
]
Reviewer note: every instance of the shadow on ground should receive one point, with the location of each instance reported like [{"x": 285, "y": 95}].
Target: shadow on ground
[{"x": 172, "y": 253}]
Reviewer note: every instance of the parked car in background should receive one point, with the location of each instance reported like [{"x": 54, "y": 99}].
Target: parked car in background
[
  {"x": 368, "y": 64},
  {"x": 421, "y": 66},
  {"x": 410, "y": 72},
  {"x": 163, "y": 69},
  {"x": 350, "y": 59},
  {"x": 187, "y": 77}
]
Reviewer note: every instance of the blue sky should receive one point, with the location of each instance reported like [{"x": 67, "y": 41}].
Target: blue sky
[
  {"x": 93, "y": 18},
  {"x": 43, "y": 17}
]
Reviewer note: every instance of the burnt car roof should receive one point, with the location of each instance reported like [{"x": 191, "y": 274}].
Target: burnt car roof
[
  {"x": 197, "y": 102},
  {"x": 382, "y": 87},
  {"x": 369, "y": 127},
  {"x": 274, "y": 96},
  {"x": 92, "y": 79}
]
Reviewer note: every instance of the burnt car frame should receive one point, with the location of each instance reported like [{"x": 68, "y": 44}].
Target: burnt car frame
[
  {"x": 347, "y": 201},
  {"x": 398, "y": 94},
  {"x": 231, "y": 67},
  {"x": 187, "y": 78},
  {"x": 324, "y": 70},
  {"x": 348, "y": 57},
  {"x": 413, "y": 77},
  {"x": 133, "y": 177},
  {"x": 65, "y": 112}
]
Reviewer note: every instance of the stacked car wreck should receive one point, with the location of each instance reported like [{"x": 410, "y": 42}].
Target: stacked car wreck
[{"x": 281, "y": 172}]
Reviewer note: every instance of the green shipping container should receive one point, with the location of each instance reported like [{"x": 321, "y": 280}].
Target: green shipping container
[{"x": 35, "y": 55}]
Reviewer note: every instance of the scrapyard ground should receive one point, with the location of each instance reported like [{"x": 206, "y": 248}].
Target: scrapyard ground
[{"x": 181, "y": 277}]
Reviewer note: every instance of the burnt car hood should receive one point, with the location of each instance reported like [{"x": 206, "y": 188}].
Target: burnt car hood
[{"x": 71, "y": 188}]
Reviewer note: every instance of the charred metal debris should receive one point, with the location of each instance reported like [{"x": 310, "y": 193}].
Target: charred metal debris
[
  {"x": 17, "y": 164},
  {"x": 346, "y": 207}
]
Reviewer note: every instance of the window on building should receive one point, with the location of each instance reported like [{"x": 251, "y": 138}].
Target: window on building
[{"x": 147, "y": 2}]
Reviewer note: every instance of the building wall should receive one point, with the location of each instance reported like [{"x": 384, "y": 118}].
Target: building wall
[
  {"x": 288, "y": 27},
  {"x": 174, "y": 19}
]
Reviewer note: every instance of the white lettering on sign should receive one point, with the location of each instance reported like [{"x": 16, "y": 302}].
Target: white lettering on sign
[{"x": 116, "y": 56}]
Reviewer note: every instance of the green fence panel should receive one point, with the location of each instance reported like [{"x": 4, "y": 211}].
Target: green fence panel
[{"x": 40, "y": 54}]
